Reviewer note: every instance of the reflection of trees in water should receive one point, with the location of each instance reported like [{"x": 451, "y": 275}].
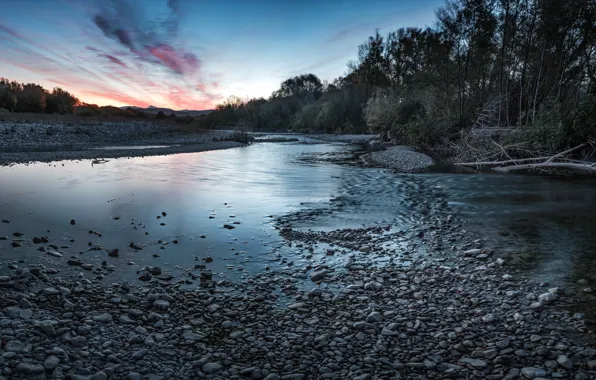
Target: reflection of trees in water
[
  {"x": 569, "y": 237},
  {"x": 583, "y": 264},
  {"x": 523, "y": 238}
]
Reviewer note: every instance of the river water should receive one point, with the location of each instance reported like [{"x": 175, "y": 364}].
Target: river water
[{"x": 550, "y": 224}]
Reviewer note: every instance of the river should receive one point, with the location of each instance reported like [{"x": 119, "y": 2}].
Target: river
[{"x": 549, "y": 224}]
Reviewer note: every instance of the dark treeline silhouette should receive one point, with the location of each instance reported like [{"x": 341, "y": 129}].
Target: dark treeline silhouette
[
  {"x": 528, "y": 64},
  {"x": 32, "y": 98}
]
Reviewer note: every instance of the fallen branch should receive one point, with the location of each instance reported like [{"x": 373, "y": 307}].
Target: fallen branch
[
  {"x": 543, "y": 163},
  {"x": 497, "y": 163},
  {"x": 565, "y": 152},
  {"x": 590, "y": 168}
]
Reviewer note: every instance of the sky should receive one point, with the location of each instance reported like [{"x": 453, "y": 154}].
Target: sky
[{"x": 189, "y": 54}]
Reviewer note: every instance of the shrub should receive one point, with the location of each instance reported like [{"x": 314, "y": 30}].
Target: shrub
[
  {"x": 410, "y": 120},
  {"x": 580, "y": 124},
  {"x": 547, "y": 132},
  {"x": 239, "y": 136}
]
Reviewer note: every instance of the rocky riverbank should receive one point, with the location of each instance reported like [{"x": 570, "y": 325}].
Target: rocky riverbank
[
  {"x": 400, "y": 158},
  {"x": 46, "y": 142},
  {"x": 454, "y": 310}
]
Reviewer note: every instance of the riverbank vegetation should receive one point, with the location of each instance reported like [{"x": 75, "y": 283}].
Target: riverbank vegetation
[
  {"x": 33, "y": 98},
  {"x": 491, "y": 80},
  {"x": 29, "y": 102}
]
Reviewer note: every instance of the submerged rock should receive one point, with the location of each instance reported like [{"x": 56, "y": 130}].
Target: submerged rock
[{"x": 318, "y": 275}]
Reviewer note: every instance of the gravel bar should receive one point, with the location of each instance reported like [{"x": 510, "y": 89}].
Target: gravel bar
[
  {"x": 401, "y": 158},
  {"x": 462, "y": 313},
  {"x": 46, "y": 142}
]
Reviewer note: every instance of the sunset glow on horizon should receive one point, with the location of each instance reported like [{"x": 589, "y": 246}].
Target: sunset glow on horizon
[{"x": 185, "y": 54}]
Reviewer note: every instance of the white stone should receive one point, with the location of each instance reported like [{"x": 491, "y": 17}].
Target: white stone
[{"x": 547, "y": 298}]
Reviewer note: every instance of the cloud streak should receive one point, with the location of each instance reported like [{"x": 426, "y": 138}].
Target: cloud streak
[
  {"x": 131, "y": 52},
  {"x": 113, "y": 59},
  {"x": 124, "y": 57},
  {"x": 147, "y": 40}
]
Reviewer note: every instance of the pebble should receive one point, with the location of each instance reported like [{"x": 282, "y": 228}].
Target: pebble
[
  {"x": 374, "y": 317},
  {"x": 431, "y": 319},
  {"x": 476, "y": 363},
  {"x": 14, "y": 346},
  {"x": 210, "y": 368},
  {"x": 140, "y": 354},
  {"x": 192, "y": 336},
  {"x": 564, "y": 361},
  {"x": 29, "y": 369},
  {"x": 103, "y": 318},
  {"x": 318, "y": 275},
  {"x": 51, "y": 362},
  {"x": 51, "y": 291},
  {"x": 161, "y": 304},
  {"x": 547, "y": 298},
  {"x": 533, "y": 373}
]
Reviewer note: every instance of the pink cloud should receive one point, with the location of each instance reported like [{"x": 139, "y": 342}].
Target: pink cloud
[
  {"x": 179, "y": 62},
  {"x": 111, "y": 97},
  {"x": 114, "y": 60},
  {"x": 145, "y": 39},
  {"x": 119, "y": 77}
]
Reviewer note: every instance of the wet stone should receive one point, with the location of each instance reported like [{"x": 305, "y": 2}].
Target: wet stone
[
  {"x": 532, "y": 372},
  {"x": 14, "y": 346},
  {"x": 210, "y": 368},
  {"x": 29, "y": 369},
  {"x": 51, "y": 362}
]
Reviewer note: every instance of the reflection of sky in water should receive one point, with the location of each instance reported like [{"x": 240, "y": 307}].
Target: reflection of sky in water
[
  {"x": 249, "y": 183},
  {"x": 128, "y": 147},
  {"x": 553, "y": 219}
]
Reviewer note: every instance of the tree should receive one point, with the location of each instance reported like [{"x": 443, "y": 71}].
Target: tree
[
  {"x": 61, "y": 101},
  {"x": 32, "y": 98},
  {"x": 305, "y": 87},
  {"x": 8, "y": 100},
  {"x": 160, "y": 115},
  {"x": 497, "y": 63}
]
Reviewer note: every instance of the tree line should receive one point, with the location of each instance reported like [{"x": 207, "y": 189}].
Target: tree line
[
  {"x": 33, "y": 98},
  {"x": 528, "y": 64}
]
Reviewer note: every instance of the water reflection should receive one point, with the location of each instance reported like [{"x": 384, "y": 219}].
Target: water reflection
[
  {"x": 549, "y": 224},
  {"x": 244, "y": 185}
]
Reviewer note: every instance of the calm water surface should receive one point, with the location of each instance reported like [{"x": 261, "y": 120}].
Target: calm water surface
[{"x": 552, "y": 222}]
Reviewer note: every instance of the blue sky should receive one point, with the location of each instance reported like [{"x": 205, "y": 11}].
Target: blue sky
[{"x": 189, "y": 54}]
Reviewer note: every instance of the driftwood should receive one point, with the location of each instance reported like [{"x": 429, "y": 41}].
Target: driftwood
[
  {"x": 545, "y": 163},
  {"x": 588, "y": 168}
]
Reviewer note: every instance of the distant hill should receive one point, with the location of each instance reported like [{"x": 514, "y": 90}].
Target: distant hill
[{"x": 168, "y": 111}]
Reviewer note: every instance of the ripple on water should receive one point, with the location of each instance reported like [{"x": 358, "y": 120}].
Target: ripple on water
[{"x": 550, "y": 220}]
